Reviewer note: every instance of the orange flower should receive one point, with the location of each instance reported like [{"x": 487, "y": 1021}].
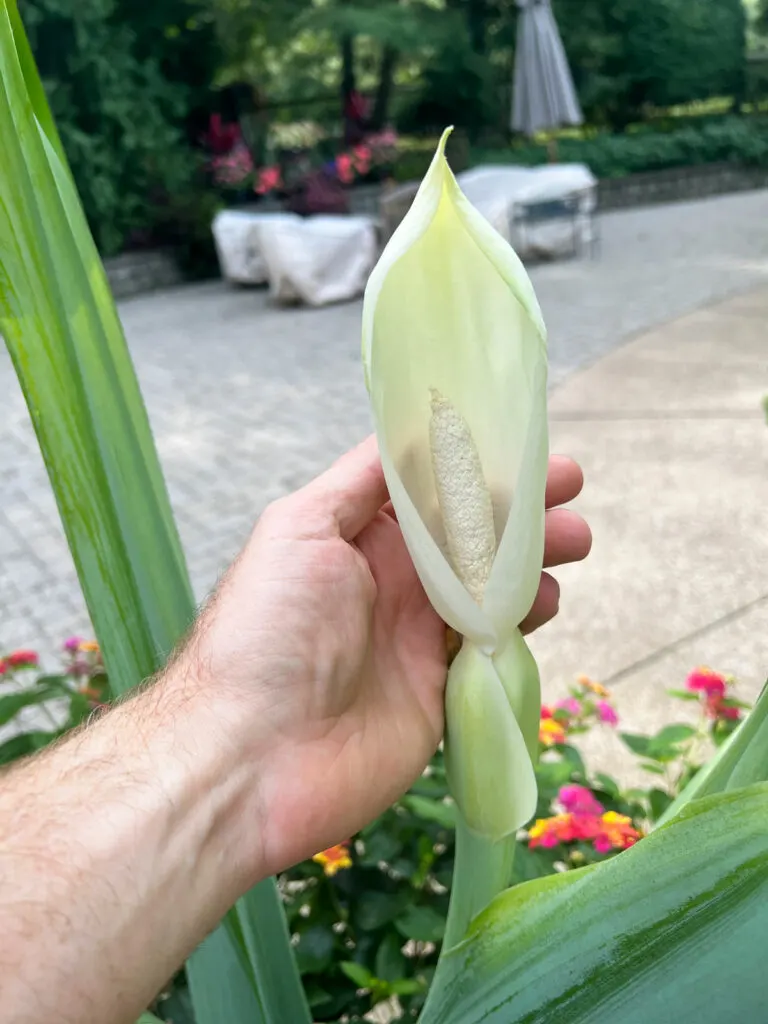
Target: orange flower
[
  {"x": 334, "y": 859},
  {"x": 88, "y": 647},
  {"x": 551, "y": 732},
  {"x": 616, "y": 833},
  {"x": 589, "y": 684}
]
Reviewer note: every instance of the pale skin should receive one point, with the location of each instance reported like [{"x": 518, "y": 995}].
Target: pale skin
[{"x": 308, "y": 698}]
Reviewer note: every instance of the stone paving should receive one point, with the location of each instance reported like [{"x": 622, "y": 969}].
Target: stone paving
[{"x": 248, "y": 402}]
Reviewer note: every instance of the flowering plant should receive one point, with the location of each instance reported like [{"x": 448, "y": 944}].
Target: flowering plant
[{"x": 377, "y": 152}]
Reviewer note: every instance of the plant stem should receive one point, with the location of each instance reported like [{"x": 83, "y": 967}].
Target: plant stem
[{"x": 482, "y": 869}]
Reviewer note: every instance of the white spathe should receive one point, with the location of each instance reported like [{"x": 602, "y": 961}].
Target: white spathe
[
  {"x": 450, "y": 307},
  {"x": 454, "y": 348}
]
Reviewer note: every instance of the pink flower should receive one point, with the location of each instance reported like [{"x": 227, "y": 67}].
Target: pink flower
[
  {"x": 269, "y": 178},
  {"x": 546, "y": 712},
  {"x": 72, "y": 643},
  {"x": 704, "y": 680},
  {"x": 602, "y": 844},
  {"x": 3, "y": 667},
  {"x": 570, "y": 705},
  {"x": 22, "y": 659},
  {"x": 344, "y": 168},
  {"x": 579, "y": 800},
  {"x": 607, "y": 713}
]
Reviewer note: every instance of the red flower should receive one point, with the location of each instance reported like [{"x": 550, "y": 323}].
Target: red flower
[
  {"x": 3, "y": 667},
  {"x": 717, "y": 708},
  {"x": 221, "y": 138},
  {"x": 22, "y": 659}
]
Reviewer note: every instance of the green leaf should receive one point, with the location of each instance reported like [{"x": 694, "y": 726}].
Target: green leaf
[
  {"x": 671, "y": 736},
  {"x": 390, "y": 962},
  {"x": 659, "y": 801},
  {"x": 314, "y": 949},
  {"x": 608, "y": 785},
  {"x": 432, "y": 810},
  {"x": 672, "y": 929},
  {"x": 424, "y": 924},
  {"x": 23, "y": 744},
  {"x": 684, "y": 695},
  {"x": 637, "y": 744},
  {"x": 13, "y": 703},
  {"x": 148, "y": 1018},
  {"x": 67, "y": 346},
  {"x": 375, "y": 909},
  {"x": 407, "y": 986},
  {"x": 220, "y": 984},
  {"x": 360, "y": 975},
  {"x": 654, "y": 769}
]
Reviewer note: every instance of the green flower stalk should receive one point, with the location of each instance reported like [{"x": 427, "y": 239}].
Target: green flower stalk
[{"x": 454, "y": 348}]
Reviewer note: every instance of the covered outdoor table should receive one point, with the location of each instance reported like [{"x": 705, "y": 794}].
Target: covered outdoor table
[
  {"x": 317, "y": 260},
  {"x": 544, "y": 211},
  {"x": 237, "y": 246}
]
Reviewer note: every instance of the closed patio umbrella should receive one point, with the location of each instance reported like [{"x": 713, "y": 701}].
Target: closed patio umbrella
[{"x": 544, "y": 94}]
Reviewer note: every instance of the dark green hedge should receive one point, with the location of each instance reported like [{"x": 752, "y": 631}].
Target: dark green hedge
[{"x": 735, "y": 139}]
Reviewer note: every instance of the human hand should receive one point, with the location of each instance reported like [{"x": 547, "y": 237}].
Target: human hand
[{"x": 328, "y": 661}]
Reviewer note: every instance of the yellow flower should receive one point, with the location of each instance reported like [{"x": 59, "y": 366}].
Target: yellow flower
[
  {"x": 551, "y": 732},
  {"x": 589, "y": 684},
  {"x": 334, "y": 859},
  {"x": 88, "y": 647}
]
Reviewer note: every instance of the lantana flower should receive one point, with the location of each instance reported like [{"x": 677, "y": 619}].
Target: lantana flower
[{"x": 334, "y": 859}]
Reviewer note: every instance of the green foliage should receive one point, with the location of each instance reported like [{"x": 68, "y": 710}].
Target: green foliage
[
  {"x": 116, "y": 113},
  {"x": 733, "y": 139},
  {"x": 373, "y": 928},
  {"x": 627, "y": 55},
  {"x": 671, "y": 930}
]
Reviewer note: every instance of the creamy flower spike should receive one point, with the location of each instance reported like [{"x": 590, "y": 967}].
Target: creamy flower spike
[{"x": 454, "y": 348}]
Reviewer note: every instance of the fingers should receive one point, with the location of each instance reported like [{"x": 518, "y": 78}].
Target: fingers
[
  {"x": 567, "y": 537},
  {"x": 349, "y": 494},
  {"x": 564, "y": 480},
  {"x": 545, "y": 605}
]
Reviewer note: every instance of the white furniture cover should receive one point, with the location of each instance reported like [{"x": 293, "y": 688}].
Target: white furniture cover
[
  {"x": 235, "y": 237},
  {"x": 317, "y": 259},
  {"x": 495, "y": 190}
]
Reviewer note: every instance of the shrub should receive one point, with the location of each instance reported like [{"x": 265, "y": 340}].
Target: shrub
[
  {"x": 739, "y": 140},
  {"x": 117, "y": 115}
]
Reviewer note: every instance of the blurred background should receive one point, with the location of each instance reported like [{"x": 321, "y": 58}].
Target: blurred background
[{"x": 242, "y": 163}]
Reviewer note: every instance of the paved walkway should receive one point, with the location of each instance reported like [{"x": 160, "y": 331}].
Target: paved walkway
[
  {"x": 248, "y": 402},
  {"x": 672, "y": 437}
]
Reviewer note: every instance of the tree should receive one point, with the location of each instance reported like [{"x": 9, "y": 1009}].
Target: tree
[{"x": 627, "y": 55}]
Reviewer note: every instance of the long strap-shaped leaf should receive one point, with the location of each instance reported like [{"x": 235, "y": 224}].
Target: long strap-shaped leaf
[
  {"x": 67, "y": 344},
  {"x": 672, "y": 930}
]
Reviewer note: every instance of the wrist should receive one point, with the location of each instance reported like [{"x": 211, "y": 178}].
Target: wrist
[{"x": 219, "y": 756}]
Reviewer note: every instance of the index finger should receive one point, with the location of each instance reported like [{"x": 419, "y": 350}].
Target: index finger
[{"x": 351, "y": 492}]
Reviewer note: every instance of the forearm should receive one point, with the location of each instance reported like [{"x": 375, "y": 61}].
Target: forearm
[{"x": 119, "y": 850}]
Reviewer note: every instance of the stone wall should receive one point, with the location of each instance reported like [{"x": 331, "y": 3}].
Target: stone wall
[
  {"x": 679, "y": 184},
  {"x": 134, "y": 273}
]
